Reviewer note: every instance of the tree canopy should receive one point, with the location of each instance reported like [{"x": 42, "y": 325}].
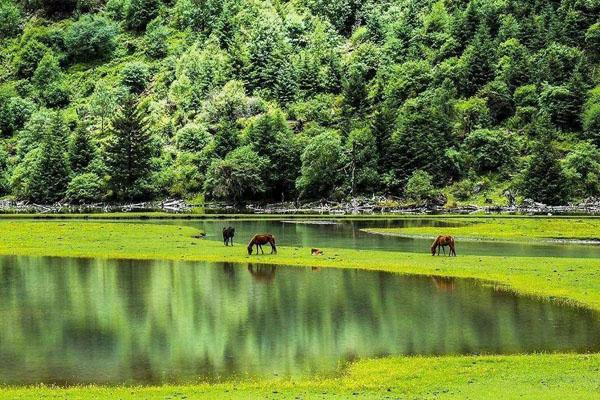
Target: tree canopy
[{"x": 253, "y": 100}]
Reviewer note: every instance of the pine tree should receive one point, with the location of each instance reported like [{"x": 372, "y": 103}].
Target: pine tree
[
  {"x": 49, "y": 176},
  {"x": 543, "y": 180},
  {"x": 129, "y": 152},
  {"x": 81, "y": 149}
]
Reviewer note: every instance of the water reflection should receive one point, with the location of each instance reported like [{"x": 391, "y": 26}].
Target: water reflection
[{"x": 69, "y": 321}]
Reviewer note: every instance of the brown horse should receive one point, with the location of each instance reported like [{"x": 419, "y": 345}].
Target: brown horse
[
  {"x": 442, "y": 242},
  {"x": 259, "y": 240}
]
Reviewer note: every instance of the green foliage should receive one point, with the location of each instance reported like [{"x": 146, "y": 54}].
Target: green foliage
[
  {"x": 419, "y": 186},
  {"x": 490, "y": 150},
  {"x": 129, "y": 152},
  {"x": 10, "y": 19},
  {"x": 91, "y": 38},
  {"x": 140, "y": 13},
  {"x": 591, "y": 116},
  {"x": 81, "y": 149},
  {"x": 135, "y": 76},
  {"x": 47, "y": 177},
  {"x": 581, "y": 168},
  {"x": 422, "y": 136},
  {"x": 192, "y": 138},
  {"x": 87, "y": 188},
  {"x": 270, "y": 137},
  {"x": 155, "y": 41},
  {"x": 14, "y": 113},
  {"x": 28, "y": 57},
  {"x": 321, "y": 161},
  {"x": 543, "y": 179},
  {"x": 238, "y": 176},
  {"x": 592, "y": 40},
  {"x": 361, "y": 153},
  {"x": 452, "y": 88},
  {"x": 198, "y": 72}
]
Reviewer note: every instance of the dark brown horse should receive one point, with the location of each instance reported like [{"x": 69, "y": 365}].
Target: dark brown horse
[
  {"x": 259, "y": 240},
  {"x": 228, "y": 234},
  {"x": 442, "y": 242}
]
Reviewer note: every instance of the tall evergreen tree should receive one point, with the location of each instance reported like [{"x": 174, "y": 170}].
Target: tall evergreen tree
[
  {"x": 81, "y": 149},
  {"x": 50, "y": 172},
  {"x": 543, "y": 179},
  {"x": 129, "y": 152}
]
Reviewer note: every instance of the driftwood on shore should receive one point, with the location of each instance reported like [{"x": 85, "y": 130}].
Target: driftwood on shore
[
  {"x": 170, "y": 205},
  {"x": 381, "y": 205},
  {"x": 363, "y": 205}
]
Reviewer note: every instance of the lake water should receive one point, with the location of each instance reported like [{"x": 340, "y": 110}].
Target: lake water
[
  {"x": 348, "y": 234},
  {"x": 75, "y": 321}
]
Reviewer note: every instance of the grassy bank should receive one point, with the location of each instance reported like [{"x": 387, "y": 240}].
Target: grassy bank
[
  {"x": 491, "y": 377},
  {"x": 495, "y": 228},
  {"x": 531, "y": 376},
  {"x": 573, "y": 279}
]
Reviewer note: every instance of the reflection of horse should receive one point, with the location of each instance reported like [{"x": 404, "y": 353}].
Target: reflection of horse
[
  {"x": 262, "y": 273},
  {"x": 259, "y": 240},
  {"x": 443, "y": 284},
  {"x": 443, "y": 241},
  {"x": 228, "y": 234}
]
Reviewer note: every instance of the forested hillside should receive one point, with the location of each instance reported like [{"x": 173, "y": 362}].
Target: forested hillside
[{"x": 278, "y": 100}]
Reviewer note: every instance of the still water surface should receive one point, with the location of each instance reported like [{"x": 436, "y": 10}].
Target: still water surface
[{"x": 74, "y": 321}]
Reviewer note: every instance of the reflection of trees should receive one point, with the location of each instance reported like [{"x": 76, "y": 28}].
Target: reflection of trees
[{"x": 74, "y": 320}]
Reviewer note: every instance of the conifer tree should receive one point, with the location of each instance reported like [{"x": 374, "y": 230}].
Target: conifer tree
[
  {"x": 543, "y": 180},
  {"x": 49, "y": 176},
  {"x": 129, "y": 152},
  {"x": 81, "y": 149}
]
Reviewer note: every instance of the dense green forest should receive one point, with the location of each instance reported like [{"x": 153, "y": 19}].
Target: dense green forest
[{"x": 304, "y": 99}]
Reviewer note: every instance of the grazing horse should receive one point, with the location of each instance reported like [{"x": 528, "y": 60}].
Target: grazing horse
[
  {"x": 228, "y": 234},
  {"x": 259, "y": 240},
  {"x": 316, "y": 252},
  {"x": 442, "y": 242}
]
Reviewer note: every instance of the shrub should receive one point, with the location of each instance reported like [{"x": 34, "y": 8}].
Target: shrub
[
  {"x": 90, "y": 38},
  {"x": 192, "y": 138},
  {"x": 490, "y": 149},
  {"x": 419, "y": 187},
  {"x": 10, "y": 19},
  {"x": 86, "y": 188},
  {"x": 135, "y": 76}
]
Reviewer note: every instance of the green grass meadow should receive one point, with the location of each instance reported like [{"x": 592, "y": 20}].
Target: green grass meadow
[{"x": 542, "y": 376}]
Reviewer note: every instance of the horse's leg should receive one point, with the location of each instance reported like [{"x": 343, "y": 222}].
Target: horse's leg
[{"x": 261, "y": 249}]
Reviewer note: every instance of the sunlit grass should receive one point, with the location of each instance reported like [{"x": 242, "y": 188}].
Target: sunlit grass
[
  {"x": 509, "y": 229},
  {"x": 541, "y": 376}
]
